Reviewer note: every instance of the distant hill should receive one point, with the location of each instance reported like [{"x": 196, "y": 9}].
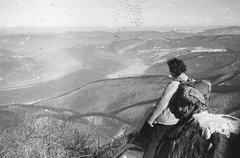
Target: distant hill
[
  {"x": 75, "y": 50},
  {"x": 46, "y": 52},
  {"x": 139, "y": 45},
  {"x": 232, "y": 30},
  {"x": 208, "y": 65},
  {"x": 16, "y": 68},
  {"x": 123, "y": 35},
  {"x": 205, "y": 55},
  {"x": 176, "y": 34}
]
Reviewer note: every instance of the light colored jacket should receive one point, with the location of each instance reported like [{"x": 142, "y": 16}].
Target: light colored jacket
[{"x": 161, "y": 113}]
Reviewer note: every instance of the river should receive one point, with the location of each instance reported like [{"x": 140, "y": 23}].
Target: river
[{"x": 49, "y": 89}]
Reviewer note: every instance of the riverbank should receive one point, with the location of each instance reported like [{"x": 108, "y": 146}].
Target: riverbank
[{"x": 135, "y": 69}]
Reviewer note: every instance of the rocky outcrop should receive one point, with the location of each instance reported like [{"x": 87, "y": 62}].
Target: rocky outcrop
[{"x": 205, "y": 135}]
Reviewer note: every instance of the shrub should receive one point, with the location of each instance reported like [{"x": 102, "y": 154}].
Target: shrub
[{"x": 47, "y": 137}]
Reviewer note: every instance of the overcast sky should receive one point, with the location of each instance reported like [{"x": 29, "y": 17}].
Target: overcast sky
[{"x": 123, "y": 13}]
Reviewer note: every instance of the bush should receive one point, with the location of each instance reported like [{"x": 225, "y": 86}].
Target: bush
[{"x": 47, "y": 137}]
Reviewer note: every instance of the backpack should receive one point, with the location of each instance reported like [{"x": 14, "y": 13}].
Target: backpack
[{"x": 191, "y": 97}]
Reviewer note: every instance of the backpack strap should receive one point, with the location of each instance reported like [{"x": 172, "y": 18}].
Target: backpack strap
[{"x": 188, "y": 80}]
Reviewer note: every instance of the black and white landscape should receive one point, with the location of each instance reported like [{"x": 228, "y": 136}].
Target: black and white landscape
[
  {"x": 36, "y": 67},
  {"x": 79, "y": 78},
  {"x": 106, "y": 83}
]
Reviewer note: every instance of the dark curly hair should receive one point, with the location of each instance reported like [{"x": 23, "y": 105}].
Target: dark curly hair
[{"x": 176, "y": 66}]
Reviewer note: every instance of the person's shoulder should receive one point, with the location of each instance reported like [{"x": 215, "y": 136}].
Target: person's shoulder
[{"x": 173, "y": 84}]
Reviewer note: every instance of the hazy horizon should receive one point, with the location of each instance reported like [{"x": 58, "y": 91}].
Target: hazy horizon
[
  {"x": 119, "y": 14},
  {"x": 9, "y": 30}
]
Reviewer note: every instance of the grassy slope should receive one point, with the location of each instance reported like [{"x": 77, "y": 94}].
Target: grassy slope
[
  {"x": 126, "y": 98},
  {"x": 106, "y": 107},
  {"x": 129, "y": 99}
]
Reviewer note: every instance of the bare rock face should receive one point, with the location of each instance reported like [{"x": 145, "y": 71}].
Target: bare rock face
[{"x": 204, "y": 136}]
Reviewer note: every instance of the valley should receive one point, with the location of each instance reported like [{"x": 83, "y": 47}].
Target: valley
[
  {"x": 31, "y": 62},
  {"x": 106, "y": 84}
]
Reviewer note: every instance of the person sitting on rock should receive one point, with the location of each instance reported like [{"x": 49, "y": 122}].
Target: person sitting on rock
[{"x": 162, "y": 119}]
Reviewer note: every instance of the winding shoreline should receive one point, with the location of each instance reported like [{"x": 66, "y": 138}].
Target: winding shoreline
[{"x": 135, "y": 69}]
